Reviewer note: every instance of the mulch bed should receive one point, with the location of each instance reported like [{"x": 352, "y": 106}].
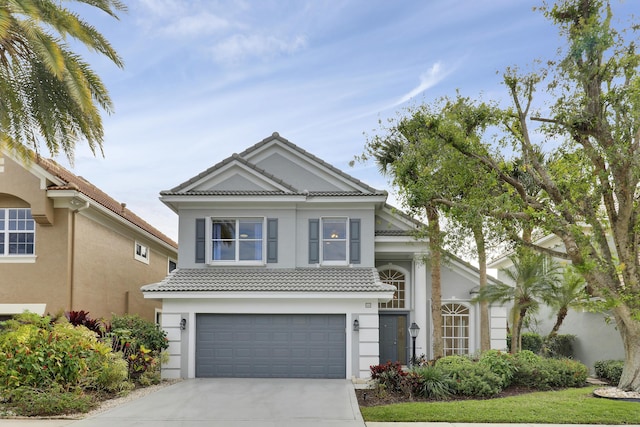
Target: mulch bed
[{"x": 369, "y": 397}]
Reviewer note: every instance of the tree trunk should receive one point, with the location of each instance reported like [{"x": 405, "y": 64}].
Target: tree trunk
[
  {"x": 485, "y": 336},
  {"x": 562, "y": 313},
  {"x": 436, "y": 287},
  {"x": 629, "y": 329},
  {"x": 515, "y": 332}
]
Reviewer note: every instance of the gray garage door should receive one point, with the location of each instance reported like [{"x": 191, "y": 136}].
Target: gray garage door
[{"x": 270, "y": 345}]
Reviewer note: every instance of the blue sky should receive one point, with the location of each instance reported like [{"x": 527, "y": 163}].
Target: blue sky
[{"x": 205, "y": 79}]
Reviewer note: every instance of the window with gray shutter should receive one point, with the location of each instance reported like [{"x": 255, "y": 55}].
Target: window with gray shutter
[
  {"x": 314, "y": 241},
  {"x": 354, "y": 241},
  {"x": 200, "y": 240},
  {"x": 272, "y": 240}
]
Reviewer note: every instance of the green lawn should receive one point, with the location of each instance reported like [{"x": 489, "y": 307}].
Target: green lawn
[{"x": 570, "y": 406}]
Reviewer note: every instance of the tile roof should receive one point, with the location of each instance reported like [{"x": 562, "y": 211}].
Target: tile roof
[
  {"x": 394, "y": 233},
  {"x": 241, "y": 158},
  {"x": 269, "y": 193},
  {"x": 77, "y": 183},
  {"x": 213, "y": 279}
]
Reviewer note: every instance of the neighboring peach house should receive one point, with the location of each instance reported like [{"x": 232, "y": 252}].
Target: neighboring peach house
[{"x": 66, "y": 245}]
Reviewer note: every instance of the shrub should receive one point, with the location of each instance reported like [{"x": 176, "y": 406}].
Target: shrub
[
  {"x": 27, "y": 401},
  {"x": 431, "y": 382},
  {"x": 559, "y": 346},
  {"x": 390, "y": 375},
  {"x": 453, "y": 361},
  {"x": 472, "y": 379},
  {"x": 111, "y": 376},
  {"x": 610, "y": 370},
  {"x": 530, "y": 341},
  {"x": 140, "y": 332},
  {"x": 82, "y": 318},
  {"x": 54, "y": 354},
  {"x": 544, "y": 373},
  {"x": 527, "y": 369},
  {"x": 500, "y": 363},
  {"x": 566, "y": 372}
]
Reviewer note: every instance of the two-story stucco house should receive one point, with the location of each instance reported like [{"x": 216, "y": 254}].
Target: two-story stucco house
[
  {"x": 289, "y": 267},
  {"x": 66, "y": 245}
]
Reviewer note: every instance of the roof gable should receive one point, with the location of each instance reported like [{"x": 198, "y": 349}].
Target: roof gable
[
  {"x": 233, "y": 174},
  {"x": 275, "y": 164}
]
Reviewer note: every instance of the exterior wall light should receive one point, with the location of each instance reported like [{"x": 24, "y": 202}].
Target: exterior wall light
[
  {"x": 356, "y": 325},
  {"x": 183, "y": 324}
]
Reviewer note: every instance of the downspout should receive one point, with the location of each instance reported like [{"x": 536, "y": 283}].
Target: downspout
[{"x": 76, "y": 204}]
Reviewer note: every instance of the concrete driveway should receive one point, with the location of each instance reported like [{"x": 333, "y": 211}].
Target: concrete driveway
[{"x": 239, "y": 403}]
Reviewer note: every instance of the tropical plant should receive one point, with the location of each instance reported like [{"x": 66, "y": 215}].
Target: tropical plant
[
  {"x": 568, "y": 293},
  {"x": 533, "y": 275},
  {"x": 48, "y": 91},
  {"x": 432, "y": 382}
]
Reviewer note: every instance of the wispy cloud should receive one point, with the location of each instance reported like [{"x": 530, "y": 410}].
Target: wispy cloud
[
  {"x": 427, "y": 80},
  {"x": 241, "y": 46},
  {"x": 196, "y": 25}
]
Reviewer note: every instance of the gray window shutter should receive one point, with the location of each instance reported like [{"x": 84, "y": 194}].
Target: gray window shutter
[
  {"x": 314, "y": 241},
  {"x": 354, "y": 241},
  {"x": 200, "y": 240},
  {"x": 272, "y": 240}
]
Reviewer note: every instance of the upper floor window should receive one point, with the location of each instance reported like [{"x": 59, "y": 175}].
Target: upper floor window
[
  {"x": 396, "y": 278},
  {"x": 141, "y": 253},
  {"x": 334, "y": 240},
  {"x": 17, "y": 232},
  {"x": 172, "y": 265},
  {"x": 237, "y": 240},
  {"x": 455, "y": 329}
]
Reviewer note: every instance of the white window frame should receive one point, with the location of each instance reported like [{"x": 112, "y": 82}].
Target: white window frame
[
  {"x": 237, "y": 240},
  {"x": 456, "y": 337},
  {"x": 5, "y": 256},
  {"x": 324, "y": 241},
  {"x": 141, "y": 255},
  {"x": 169, "y": 261},
  {"x": 400, "y": 296}
]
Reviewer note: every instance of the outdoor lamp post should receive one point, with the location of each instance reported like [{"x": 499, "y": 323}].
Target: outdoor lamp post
[{"x": 414, "y": 329}]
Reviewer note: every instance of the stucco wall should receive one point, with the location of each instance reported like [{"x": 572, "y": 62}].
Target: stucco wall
[
  {"x": 107, "y": 277},
  {"x": 45, "y": 280},
  {"x": 293, "y": 231}
]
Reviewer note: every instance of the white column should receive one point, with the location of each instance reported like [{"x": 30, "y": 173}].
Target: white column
[
  {"x": 420, "y": 306},
  {"x": 498, "y": 331},
  {"x": 369, "y": 347}
]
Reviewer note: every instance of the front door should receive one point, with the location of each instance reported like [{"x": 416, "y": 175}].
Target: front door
[{"x": 393, "y": 338}]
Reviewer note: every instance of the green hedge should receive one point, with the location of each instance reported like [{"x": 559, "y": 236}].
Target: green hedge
[{"x": 609, "y": 370}]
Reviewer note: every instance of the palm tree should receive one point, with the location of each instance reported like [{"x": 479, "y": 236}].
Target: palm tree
[
  {"x": 533, "y": 275},
  {"x": 569, "y": 293},
  {"x": 47, "y": 92}
]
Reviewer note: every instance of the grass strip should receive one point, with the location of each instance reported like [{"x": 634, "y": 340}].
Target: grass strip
[{"x": 569, "y": 406}]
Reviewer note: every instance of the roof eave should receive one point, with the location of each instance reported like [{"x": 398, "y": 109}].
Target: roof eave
[{"x": 78, "y": 201}]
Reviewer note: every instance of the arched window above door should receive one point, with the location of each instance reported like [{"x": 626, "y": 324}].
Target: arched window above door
[{"x": 396, "y": 278}]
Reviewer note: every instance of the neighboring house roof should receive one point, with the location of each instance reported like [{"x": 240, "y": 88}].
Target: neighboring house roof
[
  {"x": 77, "y": 183},
  {"x": 271, "y": 279}
]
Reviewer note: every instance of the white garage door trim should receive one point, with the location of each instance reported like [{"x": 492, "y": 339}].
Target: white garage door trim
[{"x": 271, "y": 345}]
